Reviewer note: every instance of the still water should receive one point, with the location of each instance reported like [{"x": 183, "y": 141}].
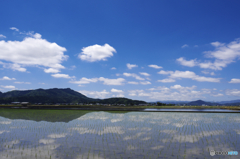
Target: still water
[{"x": 76, "y": 134}]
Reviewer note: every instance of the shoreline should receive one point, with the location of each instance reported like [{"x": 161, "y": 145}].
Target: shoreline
[{"x": 189, "y": 109}]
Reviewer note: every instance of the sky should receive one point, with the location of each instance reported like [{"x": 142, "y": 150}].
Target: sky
[{"x": 144, "y": 50}]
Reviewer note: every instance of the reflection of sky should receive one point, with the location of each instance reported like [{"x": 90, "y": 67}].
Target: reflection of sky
[{"x": 116, "y": 135}]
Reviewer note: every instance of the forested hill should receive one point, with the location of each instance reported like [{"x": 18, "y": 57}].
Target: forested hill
[{"x": 56, "y": 95}]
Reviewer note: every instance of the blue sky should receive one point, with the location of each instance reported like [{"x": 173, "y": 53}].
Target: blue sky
[{"x": 145, "y": 50}]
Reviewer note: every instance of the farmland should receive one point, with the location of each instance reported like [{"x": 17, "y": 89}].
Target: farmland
[{"x": 107, "y": 135}]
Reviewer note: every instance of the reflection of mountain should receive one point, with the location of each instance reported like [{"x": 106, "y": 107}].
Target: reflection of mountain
[{"x": 43, "y": 115}]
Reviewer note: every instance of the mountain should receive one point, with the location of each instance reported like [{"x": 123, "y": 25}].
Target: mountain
[
  {"x": 228, "y": 102},
  {"x": 121, "y": 101},
  {"x": 171, "y": 102},
  {"x": 201, "y": 102},
  {"x": 56, "y": 95}
]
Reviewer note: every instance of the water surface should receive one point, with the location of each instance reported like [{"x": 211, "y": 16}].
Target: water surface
[{"x": 75, "y": 134}]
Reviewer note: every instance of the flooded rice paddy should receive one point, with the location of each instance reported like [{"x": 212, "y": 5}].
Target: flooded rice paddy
[{"x": 76, "y": 134}]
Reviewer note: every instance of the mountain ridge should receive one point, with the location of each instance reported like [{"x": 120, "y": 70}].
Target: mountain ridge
[{"x": 58, "y": 95}]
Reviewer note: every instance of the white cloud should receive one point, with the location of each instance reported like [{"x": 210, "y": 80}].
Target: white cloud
[
  {"x": 132, "y": 82},
  {"x": 7, "y": 78},
  {"x": 223, "y": 54},
  {"x": 106, "y": 81},
  {"x": 176, "y": 86},
  {"x": 165, "y": 72},
  {"x": 95, "y": 94},
  {"x": 85, "y": 80},
  {"x": 61, "y": 75},
  {"x": 8, "y": 87},
  {"x": 155, "y": 66},
  {"x": 22, "y": 82},
  {"x": 188, "y": 74},
  {"x": 14, "y": 28},
  {"x": 133, "y": 75},
  {"x": 217, "y": 95},
  {"x": 176, "y": 92},
  {"x": 96, "y": 53},
  {"x": 51, "y": 70},
  {"x": 113, "y": 68},
  {"x": 134, "y": 92},
  {"x": 185, "y": 45},
  {"x": 130, "y": 66},
  {"x": 145, "y": 82},
  {"x": 184, "y": 62},
  {"x": 206, "y": 72},
  {"x": 13, "y": 66},
  {"x": 167, "y": 80},
  {"x": 116, "y": 90},
  {"x": 233, "y": 92},
  {"x": 32, "y": 51},
  {"x": 235, "y": 80},
  {"x": 144, "y": 74},
  {"x": 2, "y": 36}
]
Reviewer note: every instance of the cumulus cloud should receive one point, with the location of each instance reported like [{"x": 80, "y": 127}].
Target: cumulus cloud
[
  {"x": 184, "y": 62},
  {"x": 14, "y": 66},
  {"x": 165, "y": 72},
  {"x": 130, "y": 66},
  {"x": 223, "y": 55},
  {"x": 116, "y": 90},
  {"x": 206, "y": 72},
  {"x": 155, "y": 66},
  {"x": 7, "y": 78},
  {"x": 85, "y": 80},
  {"x": 177, "y": 86},
  {"x": 188, "y": 74},
  {"x": 185, "y": 45},
  {"x": 96, "y": 53},
  {"x": 176, "y": 92},
  {"x": 32, "y": 51},
  {"x": 132, "y": 82},
  {"x": 61, "y": 75},
  {"x": 8, "y": 87},
  {"x": 217, "y": 95},
  {"x": 51, "y": 70},
  {"x": 95, "y": 94},
  {"x": 233, "y": 92},
  {"x": 133, "y": 75},
  {"x": 106, "y": 81},
  {"x": 14, "y": 28},
  {"x": 235, "y": 80},
  {"x": 2, "y": 36},
  {"x": 113, "y": 68},
  {"x": 22, "y": 82},
  {"x": 144, "y": 74},
  {"x": 145, "y": 82},
  {"x": 167, "y": 80}
]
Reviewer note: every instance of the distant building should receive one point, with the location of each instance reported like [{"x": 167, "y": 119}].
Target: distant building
[
  {"x": 16, "y": 103},
  {"x": 142, "y": 104},
  {"x": 25, "y": 103}
]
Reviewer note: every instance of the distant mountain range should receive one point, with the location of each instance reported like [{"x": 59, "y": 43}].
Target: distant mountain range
[
  {"x": 67, "y": 95},
  {"x": 201, "y": 102},
  {"x": 56, "y": 95}
]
